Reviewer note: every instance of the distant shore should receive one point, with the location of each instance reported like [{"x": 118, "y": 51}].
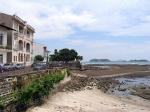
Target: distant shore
[{"x": 117, "y": 63}]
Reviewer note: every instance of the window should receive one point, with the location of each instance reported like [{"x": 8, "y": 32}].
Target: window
[
  {"x": 1, "y": 58},
  {"x": 20, "y": 45},
  {"x": 19, "y": 57},
  {"x": 28, "y": 33},
  {"x": 27, "y": 47},
  {"x": 1, "y": 39},
  {"x": 15, "y": 39},
  {"x": 14, "y": 59},
  {"x": 20, "y": 29},
  {"x": 27, "y": 57}
]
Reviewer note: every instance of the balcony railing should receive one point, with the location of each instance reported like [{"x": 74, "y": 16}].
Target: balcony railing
[
  {"x": 20, "y": 48},
  {"x": 27, "y": 50},
  {"x": 19, "y": 34},
  {"x": 28, "y": 35},
  {"x": 5, "y": 47}
]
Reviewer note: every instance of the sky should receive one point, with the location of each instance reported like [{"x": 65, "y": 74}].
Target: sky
[{"x": 114, "y": 29}]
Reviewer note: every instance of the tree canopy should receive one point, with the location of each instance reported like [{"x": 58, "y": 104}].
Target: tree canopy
[
  {"x": 65, "y": 55},
  {"x": 38, "y": 58}
]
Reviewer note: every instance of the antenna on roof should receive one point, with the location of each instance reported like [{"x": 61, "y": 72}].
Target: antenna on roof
[{"x": 15, "y": 14}]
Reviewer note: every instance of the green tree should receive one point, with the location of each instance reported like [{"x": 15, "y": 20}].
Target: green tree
[
  {"x": 80, "y": 58},
  {"x": 38, "y": 58},
  {"x": 55, "y": 56},
  {"x": 65, "y": 55}
]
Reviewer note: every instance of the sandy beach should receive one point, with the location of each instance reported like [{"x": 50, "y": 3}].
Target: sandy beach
[
  {"x": 82, "y": 93},
  {"x": 90, "y": 101}
]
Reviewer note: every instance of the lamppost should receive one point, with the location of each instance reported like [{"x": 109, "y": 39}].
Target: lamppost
[{"x": 47, "y": 56}]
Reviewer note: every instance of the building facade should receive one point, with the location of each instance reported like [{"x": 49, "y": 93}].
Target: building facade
[
  {"x": 4, "y": 49},
  {"x": 19, "y": 41},
  {"x": 39, "y": 49}
]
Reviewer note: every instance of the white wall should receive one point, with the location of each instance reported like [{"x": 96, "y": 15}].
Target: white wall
[
  {"x": 5, "y": 36},
  {"x": 4, "y": 56},
  {"x": 38, "y": 49},
  {"x": 3, "y": 51}
]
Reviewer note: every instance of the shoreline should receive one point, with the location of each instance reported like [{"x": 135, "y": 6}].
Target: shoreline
[
  {"x": 89, "y": 93},
  {"x": 89, "y": 101}
]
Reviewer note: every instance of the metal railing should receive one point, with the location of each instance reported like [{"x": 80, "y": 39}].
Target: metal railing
[{"x": 5, "y": 47}]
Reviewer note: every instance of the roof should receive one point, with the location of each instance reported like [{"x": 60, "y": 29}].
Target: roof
[
  {"x": 23, "y": 22},
  {"x": 8, "y": 28},
  {"x": 18, "y": 19}
]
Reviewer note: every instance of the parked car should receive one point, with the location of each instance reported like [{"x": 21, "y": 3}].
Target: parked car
[
  {"x": 19, "y": 66},
  {"x": 9, "y": 67},
  {"x": 1, "y": 69},
  {"x": 39, "y": 66}
]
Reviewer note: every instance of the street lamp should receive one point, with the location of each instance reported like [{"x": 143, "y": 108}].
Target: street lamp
[{"x": 47, "y": 56}]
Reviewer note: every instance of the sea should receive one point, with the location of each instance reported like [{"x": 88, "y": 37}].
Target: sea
[{"x": 117, "y": 63}]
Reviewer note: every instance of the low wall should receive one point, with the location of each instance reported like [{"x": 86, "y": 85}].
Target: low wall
[
  {"x": 96, "y": 67},
  {"x": 74, "y": 65},
  {"x": 9, "y": 84},
  {"x": 6, "y": 88}
]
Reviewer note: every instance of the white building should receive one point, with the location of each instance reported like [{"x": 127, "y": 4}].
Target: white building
[
  {"x": 19, "y": 43},
  {"x": 39, "y": 49},
  {"x": 4, "y": 48}
]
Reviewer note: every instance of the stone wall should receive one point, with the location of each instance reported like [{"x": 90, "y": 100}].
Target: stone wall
[
  {"x": 6, "y": 89},
  {"x": 9, "y": 84},
  {"x": 74, "y": 65}
]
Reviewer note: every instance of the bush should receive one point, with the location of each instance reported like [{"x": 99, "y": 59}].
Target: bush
[
  {"x": 68, "y": 72},
  {"x": 2, "y": 103},
  {"x": 38, "y": 89},
  {"x": 38, "y": 58}
]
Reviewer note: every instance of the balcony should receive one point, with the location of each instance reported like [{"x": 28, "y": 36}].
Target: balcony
[
  {"x": 20, "y": 45},
  {"x": 28, "y": 35},
  {"x": 19, "y": 34},
  {"x": 5, "y": 47},
  {"x": 16, "y": 48},
  {"x": 28, "y": 47},
  {"x": 28, "y": 51}
]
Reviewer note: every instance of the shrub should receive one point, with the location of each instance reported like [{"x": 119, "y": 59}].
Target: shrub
[
  {"x": 2, "y": 103},
  {"x": 68, "y": 72},
  {"x": 34, "y": 92},
  {"x": 38, "y": 58}
]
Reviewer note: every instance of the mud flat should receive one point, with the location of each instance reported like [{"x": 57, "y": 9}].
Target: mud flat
[{"x": 131, "y": 87}]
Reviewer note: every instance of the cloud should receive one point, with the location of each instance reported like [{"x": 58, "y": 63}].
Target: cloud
[
  {"x": 120, "y": 17},
  {"x": 58, "y": 19},
  {"x": 68, "y": 21},
  {"x": 111, "y": 49},
  {"x": 49, "y": 21}
]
